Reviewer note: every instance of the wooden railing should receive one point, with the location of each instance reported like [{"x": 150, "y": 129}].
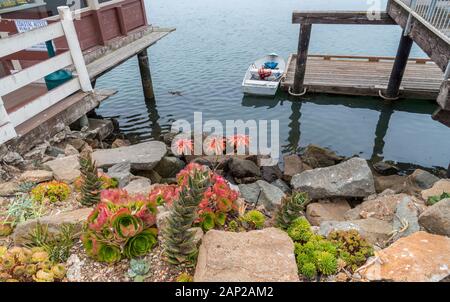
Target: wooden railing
[
  {"x": 13, "y": 44},
  {"x": 96, "y": 26},
  {"x": 434, "y": 14}
]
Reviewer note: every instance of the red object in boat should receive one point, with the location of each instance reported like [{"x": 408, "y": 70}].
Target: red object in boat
[{"x": 264, "y": 73}]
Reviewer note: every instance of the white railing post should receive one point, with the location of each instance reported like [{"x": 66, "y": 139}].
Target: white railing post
[
  {"x": 74, "y": 47},
  {"x": 7, "y": 130},
  {"x": 93, "y": 4}
]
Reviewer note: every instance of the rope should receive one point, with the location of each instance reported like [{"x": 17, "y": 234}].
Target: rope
[
  {"x": 297, "y": 94},
  {"x": 387, "y": 98}
]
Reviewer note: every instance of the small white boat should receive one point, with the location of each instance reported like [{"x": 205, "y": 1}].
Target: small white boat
[{"x": 263, "y": 77}]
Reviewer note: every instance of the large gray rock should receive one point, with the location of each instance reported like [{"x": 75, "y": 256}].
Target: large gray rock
[
  {"x": 143, "y": 156},
  {"x": 262, "y": 192},
  {"x": 325, "y": 210},
  {"x": 352, "y": 178},
  {"x": 280, "y": 184},
  {"x": 406, "y": 219},
  {"x": 9, "y": 188},
  {"x": 65, "y": 169},
  {"x": 169, "y": 166},
  {"x": 241, "y": 168},
  {"x": 375, "y": 231},
  {"x": 122, "y": 173},
  {"x": 293, "y": 165},
  {"x": 139, "y": 186},
  {"x": 250, "y": 192},
  {"x": 423, "y": 179},
  {"x": 318, "y": 157},
  {"x": 420, "y": 257},
  {"x": 436, "y": 219},
  {"x": 54, "y": 223},
  {"x": 36, "y": 176},
  {"x": 382, "y": 207},
  {"x": 257, "y": 256}
]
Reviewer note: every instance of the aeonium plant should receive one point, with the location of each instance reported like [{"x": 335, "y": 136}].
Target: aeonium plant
[
  {"x": 219, "y": 199},
  {"x": 121, "y": 225}
]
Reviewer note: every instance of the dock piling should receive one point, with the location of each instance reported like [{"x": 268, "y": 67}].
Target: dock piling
[
  {"x": 302, "y": 57},
  {"x": 146, "y": 77},
  {"x": 398, "y": 70}
]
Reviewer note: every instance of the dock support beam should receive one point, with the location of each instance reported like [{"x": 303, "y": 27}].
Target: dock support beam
[
  {"x": 302, "y": 57},
  {"x": 398, "y": 70},
  {"x": 146, "y": 77}
]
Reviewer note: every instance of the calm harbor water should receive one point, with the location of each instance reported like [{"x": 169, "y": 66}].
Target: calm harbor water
[{"x": 206, "y": 59}]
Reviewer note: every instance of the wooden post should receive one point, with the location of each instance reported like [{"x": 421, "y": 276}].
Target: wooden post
[
  {"x": 302, "y": 57},
  {"x": 146, "y": 77},
  {"x": 74, "y": 47},
  {"x": 398, "y": 70}
]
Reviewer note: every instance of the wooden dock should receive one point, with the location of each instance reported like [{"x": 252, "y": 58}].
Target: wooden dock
[{"x": 358, "y": 75}]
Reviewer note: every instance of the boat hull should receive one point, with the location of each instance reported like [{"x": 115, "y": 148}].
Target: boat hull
[{"x": 252, "y": 86}]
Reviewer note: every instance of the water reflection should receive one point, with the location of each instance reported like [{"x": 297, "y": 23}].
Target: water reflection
[
  {"x": 153, "y": 117},
  {"x": 384, "y": 109}
]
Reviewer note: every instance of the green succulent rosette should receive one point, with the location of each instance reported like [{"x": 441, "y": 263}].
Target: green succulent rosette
[
  {"x": 108, "y": 253},
  {"x": 140, "y": 244},
  {"x": 126, "y": 225}
]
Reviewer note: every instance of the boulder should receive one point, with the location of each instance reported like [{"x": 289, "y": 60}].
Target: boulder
[
  {"x": 139, "y": 186},
  {"x": 143, "y": 156},
  {"x": 436, "y": 218},
  {"x": 9, "y": 188},
  {"x": 36, "y": 176},
  {"x": 375, "y": 231},
  {"x": 250, "y": 192},
  {"x": 101, "y": 128},
  {"x": 326, "y": 210},
  {"x": 70, "y": 150},
  {"x": 271, "y": 173},
  {"x": 318, "y": 157},
  {"x": 385, "y": 168},
  {"x": 383, "y": 207},
  {"x": 169, "y": 166},
  {"x": 37, "y": 153},
  {"x": 423, "y": 179},
  {"x": 54, "y": 222},
  {"x": 77, "y": 143},
  {"x": 438, "y": 188},
  {"x": 12, "y": 158},
  {"x": 122, "y": 173},
  {"x": 242, "y": 168},
  {"x": 293, "y": 165},
  {"x": 406, "y": 215},
  {"x": 246, "y": 257},
  {"x": 280, "y": 184},
  {"x": 396, "y": 183},
  {"x": 65, "y": 169},
  {"x": 420, "y": 257},
  {"x": 352, "y": 178},
  {"x": 271, "y": 196},
  {"x": 263, "y": 193},
  {"x": 117, "y": 143}
]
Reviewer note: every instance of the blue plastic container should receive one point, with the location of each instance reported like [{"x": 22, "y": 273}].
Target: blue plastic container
[{"x": 58, "y": 77}]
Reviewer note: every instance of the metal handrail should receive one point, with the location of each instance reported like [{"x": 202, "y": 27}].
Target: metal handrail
[{"x": 435, "y": 14}]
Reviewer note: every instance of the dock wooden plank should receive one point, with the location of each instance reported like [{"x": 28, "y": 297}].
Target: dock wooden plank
[
  {"x": 364, "y": 76},
  {"x": 340, "y": 17},
  {"x": 115, "y": 58}
]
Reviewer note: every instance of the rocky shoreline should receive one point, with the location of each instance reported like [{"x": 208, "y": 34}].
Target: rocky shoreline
[{"x": 403, "y": 218}]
